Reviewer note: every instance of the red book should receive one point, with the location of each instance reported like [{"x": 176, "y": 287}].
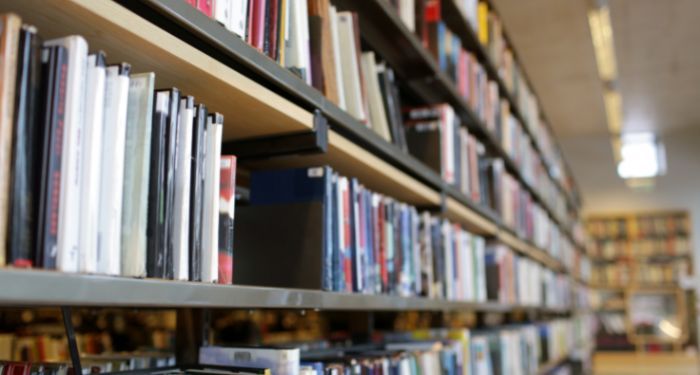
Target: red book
[
  {"x": 432, "y": 11},
  {"x": 206, "y": 7},
  {"x": 192, "y": 2},
  {"x": 383, "y": 270},
  {"x": 227, "y": 206},
  {"x": 258, "y": 32}
]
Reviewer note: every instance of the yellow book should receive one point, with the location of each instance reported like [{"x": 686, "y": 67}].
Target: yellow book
[
  {"x": 282, "y": 33},
  {"x": 483, "y": 17}
]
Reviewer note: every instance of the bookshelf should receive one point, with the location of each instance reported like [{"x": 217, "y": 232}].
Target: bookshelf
[
  {"x": 643, "y": 254},
  {"x": 262, "y": 100}
]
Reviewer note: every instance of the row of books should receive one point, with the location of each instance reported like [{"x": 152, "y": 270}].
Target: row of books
[
  {"x": 360, "y": 241},
  {"x": 462, "y": 161},
  {"x": 622, "y": 274},
  {"x": 366, "y": 242},
  {"x": 481, "y": 93},
  {"x": 322, "y": 46},
  {"x": 639, "y": 226},
  {"x": 643, "y": 248},
  {"x": 103, "y": 174},
  {"x": 91, "y": 365},
  {"x": 518, "y": 280},
  {"x": 582, "y": 266},
  {"x": 488, "y": 26}
]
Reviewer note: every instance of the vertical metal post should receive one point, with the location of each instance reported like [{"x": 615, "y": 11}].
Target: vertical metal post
[{"x": 72, "y": 344}]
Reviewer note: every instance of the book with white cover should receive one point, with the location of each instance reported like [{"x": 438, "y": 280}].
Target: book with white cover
[
  {"x": 377, "y": 112},
  {"x": 182, "y": 189},
  {"x": 335, "y": 43},
  {"x": 112, "y": 169},
  {"x": 447, "y": 244},
  {"x": 210, "y": 221},
  {"x": 479, "y": 245},
  {"x": 407, "y": 11},
  {"x": 137, "y": 168},
  {"x": 297, "y": 48},
  {"x": 92, "y": 154},
  {"x": 239, "y": 17},
  {"x": 354, "y": 101},
  {"x": 71, "y": 164},
  {"x": 280, "y": 361},
  {"x": 222, "y": 12}
]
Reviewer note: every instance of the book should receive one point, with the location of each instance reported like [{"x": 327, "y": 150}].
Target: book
[
  {"x": 54, "y": 61},
  {"x": 9, "y": 44},
  {"x": 257, "y": 39},
  {"x": 182, "y": 183},
  {"x": 279, "y": 361},
  {"x": 137, "y": 169},
  {"x": 198, "y": 174},
  {"x": 377, "y": 113},
  {"x": 172, "y": 129},
  {"x": 222, "y": 12},
  {"x": 297, "y": 48},
  {"x": 26, "y": 152},
  {"x": 72, "y": 154},
  {"x": 282, "y": 32},
  {"x": 392, "y": 105},
  {"x": 92, "y": 146},
  {"x": 227, "y": 206},
  {"x": 349, "y": 61},
  {"x": 155, "y": 228},
  {"x": 322, "y": 49},
  {"x": 273, "y": 28},
  {"x": 335, "y": 47},
  {"x": 112, "y": 169},
  {"x": 206, "y": 7},
  {"x": 210, "y": 219},
  {"x": 407, "y": 12}
]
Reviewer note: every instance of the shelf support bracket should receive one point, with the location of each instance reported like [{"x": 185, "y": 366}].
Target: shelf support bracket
[
  {"x": 305, "y": 142},
  {"x": 438, "y": 209},
  {"x": 70, "y": 336}
]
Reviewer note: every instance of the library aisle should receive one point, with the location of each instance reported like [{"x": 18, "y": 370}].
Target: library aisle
[{"x": 349, "y": 187}]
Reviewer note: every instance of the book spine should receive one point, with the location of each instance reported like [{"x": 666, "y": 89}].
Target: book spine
[
  {"x": 69, "y": 208},
  {"x": 10, "y": 25},
  {"x": 26, "y": 153},
  {"x": 155, "y": 261},
  {"x": 267, "y": 28},
  {"x": 55, "y": 81},
  {"x": 137, "y": 169},
  {"x": 206, "y": 7},
  {"x": 171, "y": 136},
  {"x": 92, "y": 146},
  {"x": 227, "y": 206},
  {"x": 182, "y": 189},
  {"x": 210, "y": 247},
  {"x": 258, "y": 20},
  {"x": 112, "y": 169},
  {"x": 197, "y": 192}
]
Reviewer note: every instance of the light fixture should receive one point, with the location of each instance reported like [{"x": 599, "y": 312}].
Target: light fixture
[
  {"x": 613, "y": 110},
  {"x": 602, "y": 35},
  {"x": 642, "y": 156}
]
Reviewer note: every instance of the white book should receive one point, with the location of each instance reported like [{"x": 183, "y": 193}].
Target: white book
[
  {"x": 92, "y": 154},
  {"x": 182, "y": 190},
  {"x": 279, "y": 361},
  {"x": 137, "y": 157},
  {"x": 210, "y": 220},
  {"x": 449, "y": 261},
  {"x": 354, "y": 101},
  {"x": 447, "y": 132},
  {"x": 479, "y": 251},
  {"x": 297, "y": 47},
  {"x": 415, "y": 243},
  {"x": 377, "y": 112},
  {"x": 71, "y": 165},
  {"x": 222, "y": 12},
  {"x": 464, "y": 160},
  {"x": 407, "y": 11},
  {"x": 335, "y": 45},
  {"x": 112, "y": 170},
  {"x": 239, "y": 17}
]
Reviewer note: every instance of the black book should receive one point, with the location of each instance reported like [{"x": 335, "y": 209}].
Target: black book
[
  {"x": 26, "y": 156},
  {"x": 267, "y": 28},
  {"x": 390, "y": 94},
  {"x": 155, "y": 230},
  {"x": 171, "y": 137},
  {"x": 54, "y": 62},
  {"x": 197, "y": 191}
]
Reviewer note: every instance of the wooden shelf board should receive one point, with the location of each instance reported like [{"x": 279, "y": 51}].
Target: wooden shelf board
[{"x": 250, "y": 109}]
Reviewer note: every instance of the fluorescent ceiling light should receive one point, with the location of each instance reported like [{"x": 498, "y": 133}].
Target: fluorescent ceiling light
[
  {"x": 602, "y": 35},
  {"x": 613, "y": 110},
  {"x": 641, "y": 156}
]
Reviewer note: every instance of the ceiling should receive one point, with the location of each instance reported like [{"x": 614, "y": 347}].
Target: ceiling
[{"x": 658, "y": 77}]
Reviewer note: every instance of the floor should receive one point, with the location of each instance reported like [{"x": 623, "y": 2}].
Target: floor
[{"x": 645, "y": 364}]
